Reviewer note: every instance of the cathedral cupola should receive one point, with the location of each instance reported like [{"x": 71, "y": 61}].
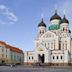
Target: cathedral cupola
[
  {"x": 64, "y": 20},
  {"x": 55, "y": 16},
  {"x": 41, "y": 28},
  {"x": 55, "y": 22},
  {"x": 42, "y": 23},
  {"x": 65, "y": 25}
]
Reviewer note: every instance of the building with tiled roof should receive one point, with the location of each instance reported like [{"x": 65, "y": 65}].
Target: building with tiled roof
[{"x": 10, "y": 54}]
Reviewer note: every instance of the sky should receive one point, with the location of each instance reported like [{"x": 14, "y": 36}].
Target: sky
[{"x": 19, "y": 19}]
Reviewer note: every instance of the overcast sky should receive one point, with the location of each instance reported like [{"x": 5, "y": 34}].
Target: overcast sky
[{"x": 19, "y": 19}]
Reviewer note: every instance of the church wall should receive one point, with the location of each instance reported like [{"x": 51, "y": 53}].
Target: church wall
[
  {"x": 48, "y": 56},
  {"x": 37, "y": 53},
  {"x": 55, "y": 60},
  {"x": 29, "y": 57},
  {"x": 66, "y": 56},
  {"x": 64, "y": 25},
  {"x": 71, "y": 50},
  {"x": 57, "y": 56},
  {"x": 65, "y": 41}
]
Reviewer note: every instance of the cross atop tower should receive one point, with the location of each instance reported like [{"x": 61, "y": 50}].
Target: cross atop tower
[{"x": 55, "y": 8}]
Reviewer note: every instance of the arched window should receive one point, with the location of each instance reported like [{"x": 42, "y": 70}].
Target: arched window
[
  {"x": 61, "y": 57},
  {"x": 57, "y": 57},
  {"x": 63, "y": 29},
  {"x": 40, "y": 32},
  {"x": 63, "y": 46},
  {"x": 29, "y": 57},
  {"x": 32, "y": 57},
  {"x": 53, "y": 57},
  {"x": 59, "y": 45}
]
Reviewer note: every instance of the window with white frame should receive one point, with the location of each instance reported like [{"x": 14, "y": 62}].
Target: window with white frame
[
  {"x": 61, "y": 57},
  {"x": 53, "y": 57},
  {"x": 57, "y": 57},
  {"x": 29, "y": 57},
  {"x": 32, "y": 57}
]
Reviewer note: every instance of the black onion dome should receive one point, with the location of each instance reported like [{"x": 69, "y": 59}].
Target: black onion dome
[
  {"x": 55, "y": 16},
  {"x": 64, "y": 20},
  {"x": 42, "y": 23}
]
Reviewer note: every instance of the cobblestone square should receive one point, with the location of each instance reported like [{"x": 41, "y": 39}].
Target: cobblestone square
[{"x": 34, "y": 69}]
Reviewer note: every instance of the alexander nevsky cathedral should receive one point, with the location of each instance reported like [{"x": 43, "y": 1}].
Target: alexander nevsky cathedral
[{"x": 53, "y": 45}]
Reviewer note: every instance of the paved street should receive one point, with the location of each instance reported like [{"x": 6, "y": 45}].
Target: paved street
[{"x": 34, "y": 69}]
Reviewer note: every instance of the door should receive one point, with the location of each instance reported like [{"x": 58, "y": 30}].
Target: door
[{"x": 41, "y": 58}]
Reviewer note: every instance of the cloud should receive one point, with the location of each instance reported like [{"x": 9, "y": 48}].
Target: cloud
[
  {"x": 12, "y": 18},
  {"x": 5, "y": 22}
]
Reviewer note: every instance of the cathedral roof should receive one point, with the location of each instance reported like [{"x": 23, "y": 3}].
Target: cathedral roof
[
  {"x": 55, "y": 16},
  {"x": 42, "y": 23},
  {"x": 14, "y": 49},
  {"x": 64, "y": 20},
  {"x": 2, "y": 43}
]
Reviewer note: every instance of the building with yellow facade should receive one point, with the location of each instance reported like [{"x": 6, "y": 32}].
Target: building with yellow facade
[{"x": 10, "y": 54}]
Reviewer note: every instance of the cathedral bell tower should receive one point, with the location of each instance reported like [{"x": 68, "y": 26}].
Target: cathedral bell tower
[
  {"x": 65, "y": 25},
  {"x": 41, "y": 28}
]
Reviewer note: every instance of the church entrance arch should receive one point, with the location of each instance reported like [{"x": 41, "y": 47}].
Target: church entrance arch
[{"x": 41, "y": 58}]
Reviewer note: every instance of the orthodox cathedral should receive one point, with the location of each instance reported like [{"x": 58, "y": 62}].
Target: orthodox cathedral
[{"x": 52, "y": 46}]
